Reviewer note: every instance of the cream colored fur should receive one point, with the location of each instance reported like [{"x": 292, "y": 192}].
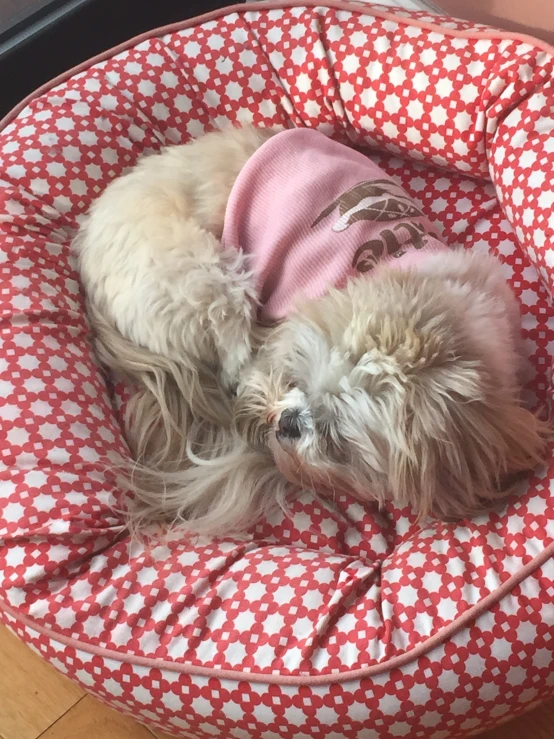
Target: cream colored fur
[
  {"x": 151, "y": 260},
  {"x": 405, "y": 385}
]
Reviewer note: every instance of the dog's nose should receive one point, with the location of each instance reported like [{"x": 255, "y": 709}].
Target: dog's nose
[{"x": 289, "y": 424}]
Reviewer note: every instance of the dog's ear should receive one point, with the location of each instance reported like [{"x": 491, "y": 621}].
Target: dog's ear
[
  {"x": 190, "y": 470},
  {"x": 462, "y": 446},
  {"x": 168, "y": 398}
]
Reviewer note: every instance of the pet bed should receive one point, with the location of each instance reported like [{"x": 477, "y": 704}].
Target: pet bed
[{"x": 338, "y": 621}]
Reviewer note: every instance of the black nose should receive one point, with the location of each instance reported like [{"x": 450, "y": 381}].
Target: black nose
[{"x": 289, "y": 424}]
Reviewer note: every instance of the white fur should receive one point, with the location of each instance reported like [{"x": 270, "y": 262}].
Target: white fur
[
  {"x": 151, "y": 261},
  {"x": 405, "y": 383}
]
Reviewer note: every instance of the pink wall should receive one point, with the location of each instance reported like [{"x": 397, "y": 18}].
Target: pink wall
[{"x": 535, "y": 17}]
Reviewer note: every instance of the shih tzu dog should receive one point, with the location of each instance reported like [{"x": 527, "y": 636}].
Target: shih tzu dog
[{"x": 288, "y": 318}]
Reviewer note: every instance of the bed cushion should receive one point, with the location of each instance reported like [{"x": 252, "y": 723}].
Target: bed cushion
[{"x": 338, "y": 620}]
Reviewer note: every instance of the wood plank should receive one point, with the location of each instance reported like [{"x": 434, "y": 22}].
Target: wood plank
[
  {"x": 90, "y": 719},
  {"x": 32, "y": 693}
]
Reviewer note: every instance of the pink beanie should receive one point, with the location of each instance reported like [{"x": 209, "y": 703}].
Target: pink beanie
[{"x": 314, "y": 213}]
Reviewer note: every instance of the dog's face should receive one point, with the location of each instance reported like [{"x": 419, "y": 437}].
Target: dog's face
[{"x": 380, "y": 391}]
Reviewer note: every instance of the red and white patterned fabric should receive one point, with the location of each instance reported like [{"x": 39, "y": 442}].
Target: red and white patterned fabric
[{"x": 339, "y": 621}]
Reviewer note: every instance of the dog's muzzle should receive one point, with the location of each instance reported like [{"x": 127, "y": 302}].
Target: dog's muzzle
[{"x": 289, "y": 427}]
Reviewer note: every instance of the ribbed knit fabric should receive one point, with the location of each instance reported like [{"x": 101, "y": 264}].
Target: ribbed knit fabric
[{"x": 314, "y": 213}]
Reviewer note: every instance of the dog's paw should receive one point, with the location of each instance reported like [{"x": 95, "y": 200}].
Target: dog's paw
[
  {"x": 235, "y": 357},
  {"x": 231, "y": 317}
]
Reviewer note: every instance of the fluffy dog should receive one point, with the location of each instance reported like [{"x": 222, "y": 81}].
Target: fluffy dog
[{"x": 401, "y": 384}]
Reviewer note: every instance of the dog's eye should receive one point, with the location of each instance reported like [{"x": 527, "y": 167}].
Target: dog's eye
[
  {"x": 327, "y": 432},
  {"x": 329, "y": 437},
  {"x": 324, "y": 428}
]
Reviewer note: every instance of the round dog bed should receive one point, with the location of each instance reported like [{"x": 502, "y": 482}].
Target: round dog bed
[{"x": 338, "y": 621}]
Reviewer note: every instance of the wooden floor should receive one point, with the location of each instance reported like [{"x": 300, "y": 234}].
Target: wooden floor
[{"x": 36, "y": 701}]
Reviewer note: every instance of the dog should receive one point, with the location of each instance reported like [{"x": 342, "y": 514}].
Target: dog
[{"x": 272, "y": 344}]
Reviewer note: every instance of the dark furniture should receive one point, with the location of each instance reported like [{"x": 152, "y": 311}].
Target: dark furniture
[{"x": 39, "y": 39}]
